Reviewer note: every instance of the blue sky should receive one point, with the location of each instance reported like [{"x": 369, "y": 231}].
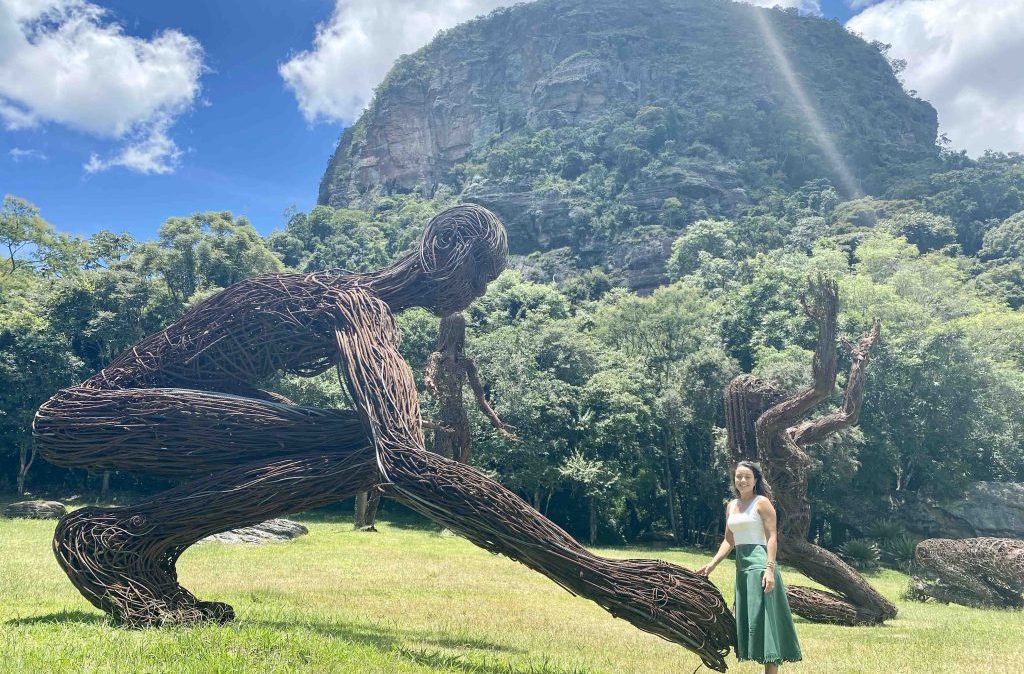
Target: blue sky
[
  {"x": 230, "y": 105},
  {"x": 246, "y": 146}
]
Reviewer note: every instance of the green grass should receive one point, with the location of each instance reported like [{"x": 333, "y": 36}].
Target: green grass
[{"x": 411, "y": 600}]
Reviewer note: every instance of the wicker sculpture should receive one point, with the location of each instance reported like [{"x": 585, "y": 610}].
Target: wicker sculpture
[
  {"x": 766, "y": 425},
  {"x": 184, "y": 402},
  {"x": 979, "y": 572},
  {"x": 448, "y": 370}
]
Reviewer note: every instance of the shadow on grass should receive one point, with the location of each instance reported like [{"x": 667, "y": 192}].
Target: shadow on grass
[
  {"x": 396, "y": 641},
  {"x": 385, "y": 637},
  {"x": 61, "y": 617},
  {"x": 450, "y": 663},
  {"x": 395, "y": 514}
]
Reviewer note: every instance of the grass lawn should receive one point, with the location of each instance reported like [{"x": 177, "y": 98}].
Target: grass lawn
[{"x": 414, "y": 600}]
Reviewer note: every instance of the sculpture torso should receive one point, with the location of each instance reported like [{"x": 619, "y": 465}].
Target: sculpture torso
[{"x": 274, "y": 322}]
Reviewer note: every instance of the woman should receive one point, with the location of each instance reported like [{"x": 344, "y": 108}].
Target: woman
[{"x": 764, "y": 625}]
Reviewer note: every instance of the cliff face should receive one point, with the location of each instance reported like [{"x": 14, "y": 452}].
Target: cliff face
[{"x": 588, "y": 71}]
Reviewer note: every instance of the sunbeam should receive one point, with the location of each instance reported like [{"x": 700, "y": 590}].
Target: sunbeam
[{"x": 821, "y": 135}]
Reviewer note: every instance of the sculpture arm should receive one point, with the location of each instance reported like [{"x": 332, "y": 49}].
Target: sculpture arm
[
  {"x": 378, "y": 378},
  {"x": 810, "y": 432},
  {"x": 658, "y": 597},
  {"x": 481, "y": 401},
  {"x": 430, "y": 375},
  {"x": 824, "y": 311}
]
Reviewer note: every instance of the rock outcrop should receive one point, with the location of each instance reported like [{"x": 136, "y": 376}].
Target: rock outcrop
[
  {"x": 696, "y": 75},
  {"x": 272, "y": 531},
  {"x": 36, "y": 510},
  {"x": 987, "y": 509}
]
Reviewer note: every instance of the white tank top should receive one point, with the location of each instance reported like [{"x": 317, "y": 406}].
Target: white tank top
[{"x": 747, "y": 527}]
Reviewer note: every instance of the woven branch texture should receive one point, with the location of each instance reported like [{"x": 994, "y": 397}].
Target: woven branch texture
[
  {"x": 981, "y": 572},
  {"x": 186, "y": 403}
]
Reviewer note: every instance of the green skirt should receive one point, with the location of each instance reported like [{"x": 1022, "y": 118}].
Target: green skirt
[{"x": 764, "y": 625}]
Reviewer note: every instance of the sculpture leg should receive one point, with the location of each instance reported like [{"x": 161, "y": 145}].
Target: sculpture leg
[
  {"x": 653, "y": 595},
  {"x": 182, "y": 433},
  {"x": 123, "y": 559},
  {"x": 865, "y": 604},
  {"x": 254, "y": 459}
]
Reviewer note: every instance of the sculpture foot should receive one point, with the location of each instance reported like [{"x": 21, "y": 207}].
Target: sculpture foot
[{"x": 117, "y": 562}]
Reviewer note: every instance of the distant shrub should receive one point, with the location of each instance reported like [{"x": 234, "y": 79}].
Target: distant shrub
[
  {"x": 899, "y": 551},
  {"x": 861, "y": 553},
  {"x": 885, "y": 530}
]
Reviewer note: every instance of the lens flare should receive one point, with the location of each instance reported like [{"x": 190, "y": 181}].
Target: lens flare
[{"x": 820, "y": 134}]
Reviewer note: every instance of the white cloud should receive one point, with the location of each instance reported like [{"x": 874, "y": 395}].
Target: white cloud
[
  {"x": 64, "y": 62},
  {"x": 963, "y": 57},
  {"x": 356, "y": 47},
  {"x": 18, "y": 154},
  {"x": 152, "y": 152}
]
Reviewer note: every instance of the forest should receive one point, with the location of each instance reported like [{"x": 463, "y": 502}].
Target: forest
[{"x": 616, "y": 398}]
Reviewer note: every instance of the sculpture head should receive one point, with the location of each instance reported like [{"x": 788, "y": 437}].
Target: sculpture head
[
  {"x": 462, "y": 250},
  {"x": 451, "y": 335}
]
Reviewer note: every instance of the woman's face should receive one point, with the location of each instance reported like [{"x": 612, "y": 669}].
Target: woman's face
[{"x": 744, "y": 480}]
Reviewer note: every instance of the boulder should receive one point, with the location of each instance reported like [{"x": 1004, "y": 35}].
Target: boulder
[
  {"x": 994, "y": 509},
  {"x": 36, "y": 510},
  {"x": 271, "y": 531}
]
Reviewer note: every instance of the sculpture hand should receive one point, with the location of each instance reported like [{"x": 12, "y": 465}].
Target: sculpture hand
[{"x": 508, "y": 432}]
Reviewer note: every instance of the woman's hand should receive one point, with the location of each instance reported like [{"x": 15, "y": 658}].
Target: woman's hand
[
  {"x": 767, "y": 580},
  {"x": 706, "y": 569}
]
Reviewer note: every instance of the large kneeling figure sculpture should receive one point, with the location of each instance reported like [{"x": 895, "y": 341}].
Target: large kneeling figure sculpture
[{"x": 184, "y": 403}]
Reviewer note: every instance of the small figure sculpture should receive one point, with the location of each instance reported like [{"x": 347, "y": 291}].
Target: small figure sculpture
[{"x": 448, "y": 369}]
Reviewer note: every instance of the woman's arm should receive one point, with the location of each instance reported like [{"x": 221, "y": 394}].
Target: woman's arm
[
  {"x": 728, "y": 543},
  {"x": 767, "y": 512}
]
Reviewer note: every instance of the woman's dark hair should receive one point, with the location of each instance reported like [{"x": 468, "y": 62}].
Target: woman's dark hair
[{"x": 760, "y": 484}]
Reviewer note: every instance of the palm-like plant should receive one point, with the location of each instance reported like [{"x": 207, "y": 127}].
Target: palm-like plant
[
  {"x": 885, "y": 530},
  {"x": 860, "y": 553},
  {"x": 899, "y": 551}
]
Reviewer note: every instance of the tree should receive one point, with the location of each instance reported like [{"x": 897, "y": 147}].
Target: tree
[
  {"x": 925, "y": 230},
  {"x": 671, "y": 339},
  {"x": 713, "y": 238},
  {"x": 593, "y": 479},
  {"x": 35, "y": 361},
  {"x": 206, "y": 251},
  {"x": 22, "y": 229},
  {"x": 536, "y": 400}
]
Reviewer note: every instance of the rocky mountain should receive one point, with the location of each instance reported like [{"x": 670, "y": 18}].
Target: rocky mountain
[{"x": 607, "y": 127}]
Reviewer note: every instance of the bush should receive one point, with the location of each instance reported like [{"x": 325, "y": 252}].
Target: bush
[
  {"x": 886, "y": 530},
  {"x": 899, "y": 551},
  {"x": 860, "y": 553}
]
